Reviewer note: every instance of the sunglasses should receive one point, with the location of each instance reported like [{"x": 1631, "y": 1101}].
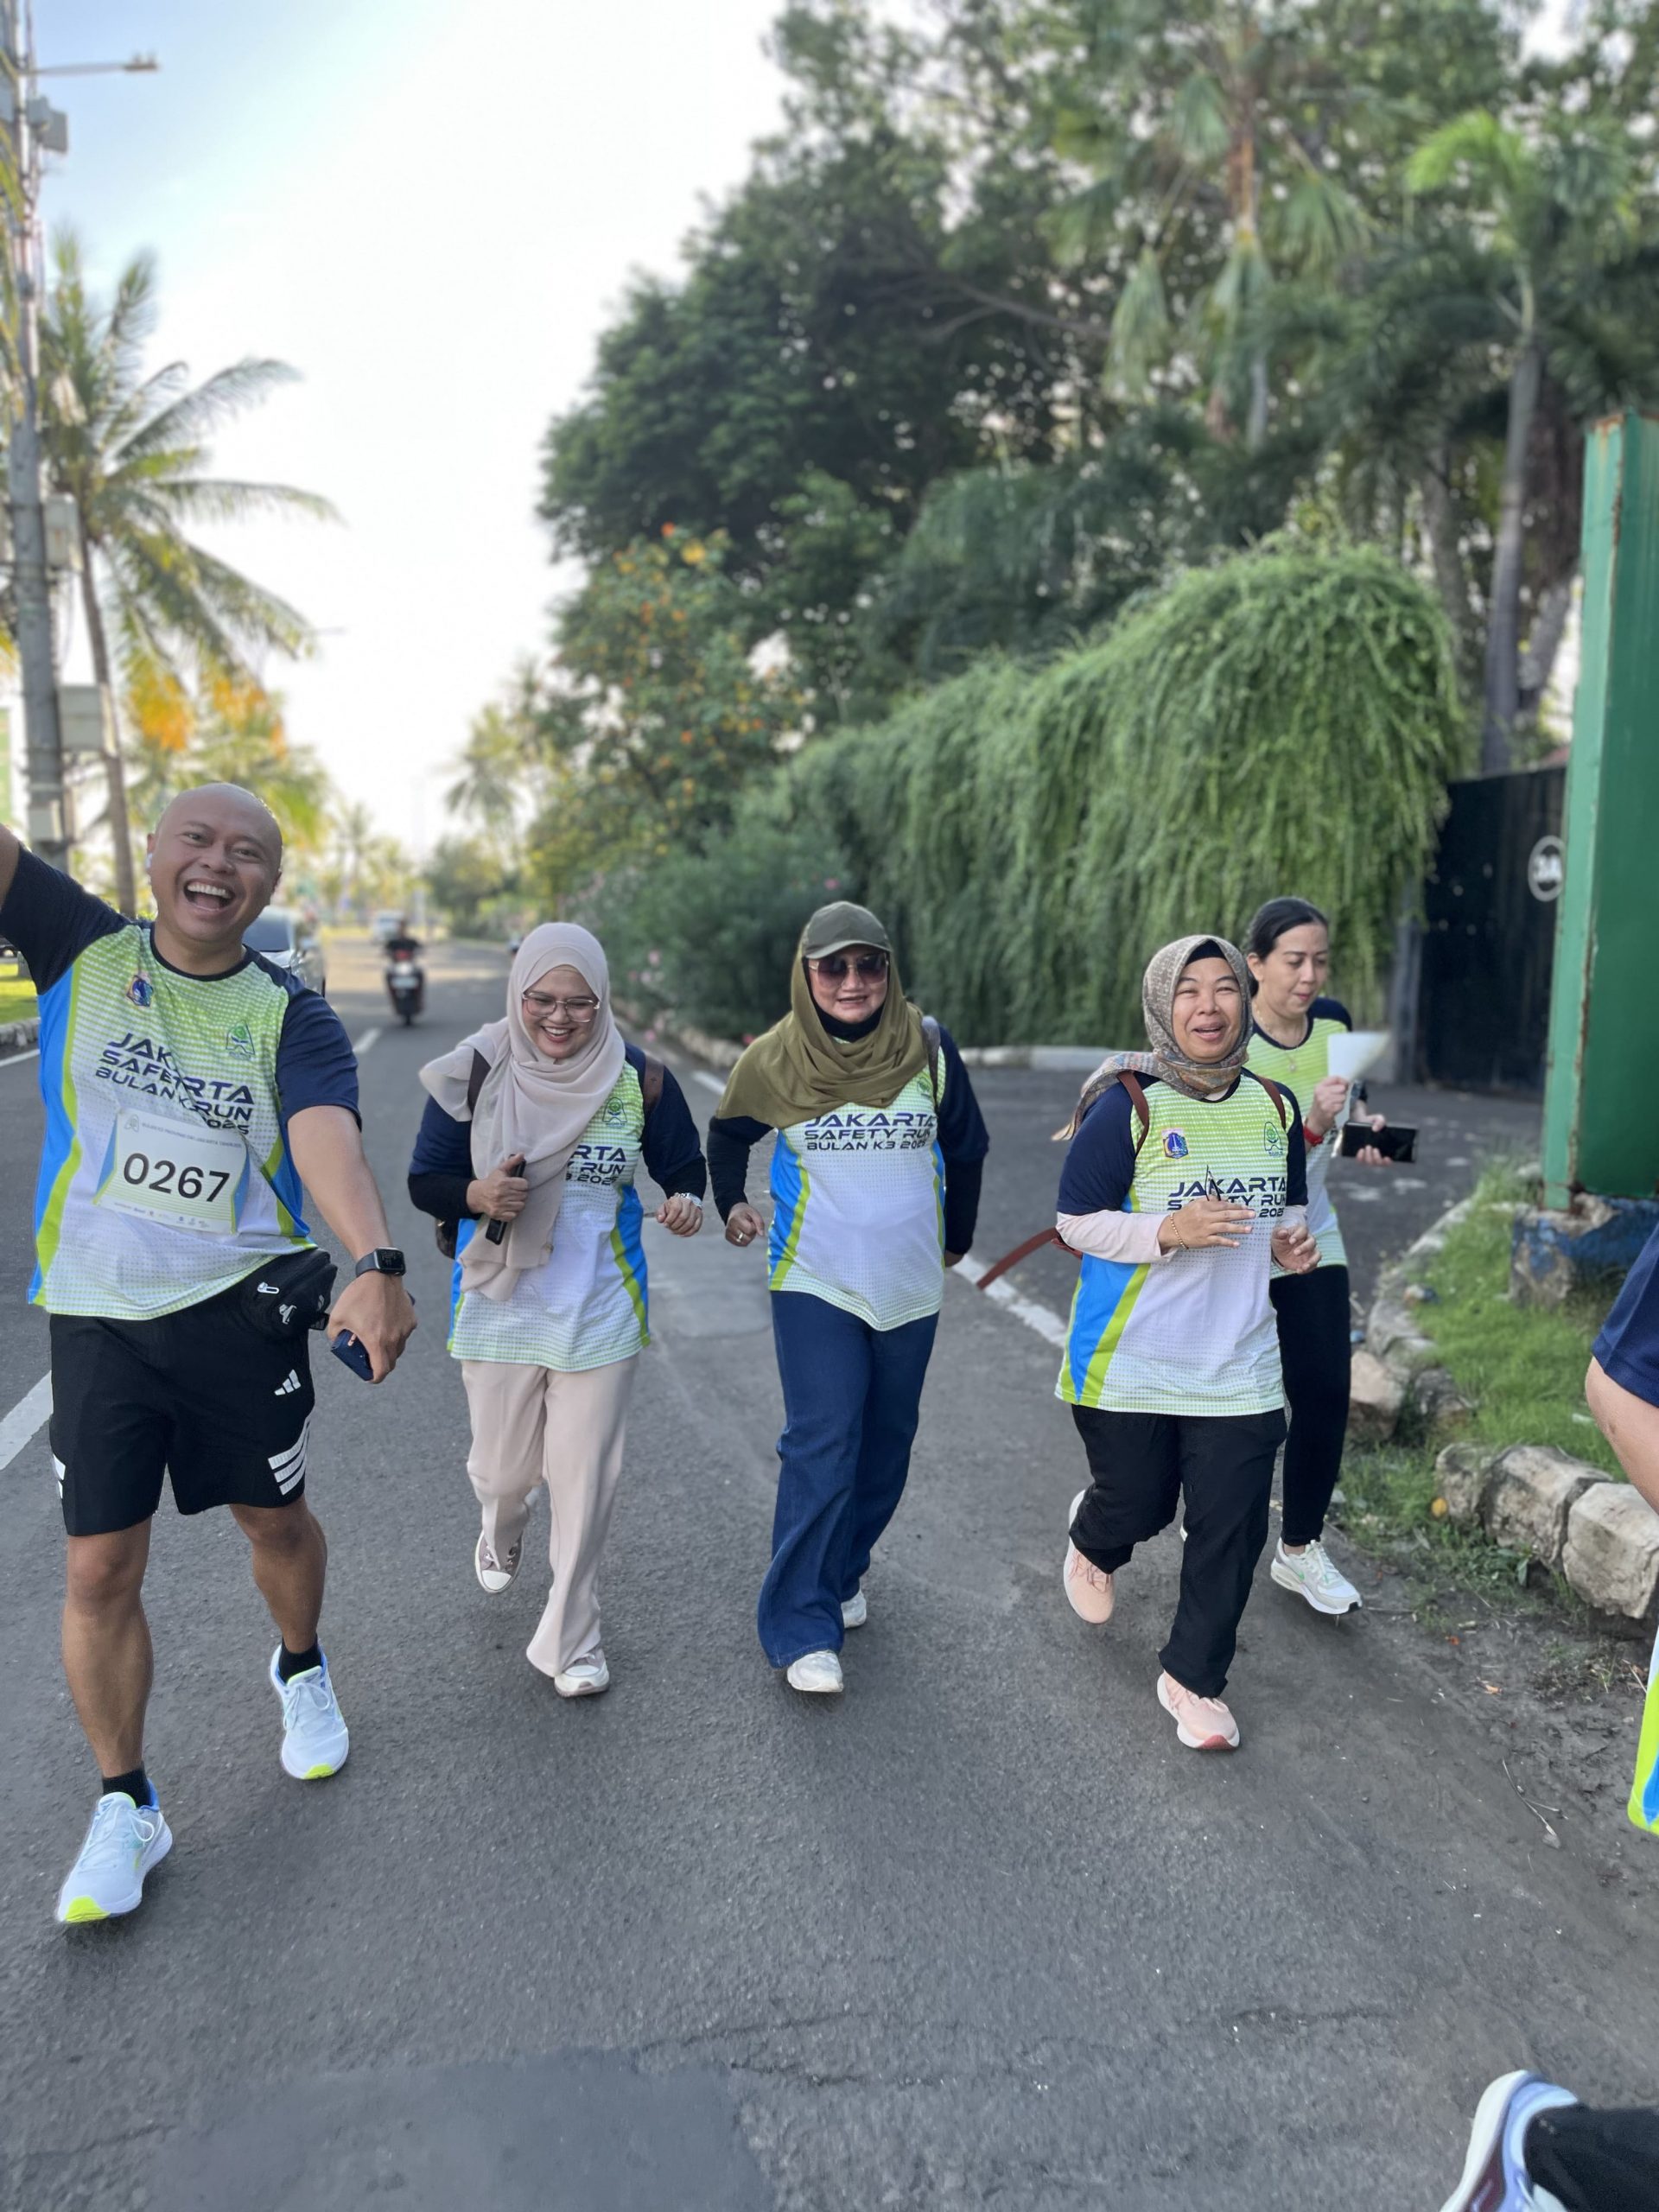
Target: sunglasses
[{"x": 834, "y": 965}]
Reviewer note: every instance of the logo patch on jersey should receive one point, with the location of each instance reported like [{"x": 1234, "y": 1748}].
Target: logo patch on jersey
[
  {"x": 239, "y": 1039},
  {"x": 1273, "y": 1139},
  {"x": 615, "y": 1112},
  {"x": 140, "y": 990},
  {"x": 1174, "y": 1144}
]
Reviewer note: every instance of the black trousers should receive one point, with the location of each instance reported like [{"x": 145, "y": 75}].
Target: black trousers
[
  {"x": 1316, "y": 1354},
  {"x": 1142, "y": 1465},
  {"x": 1596, "y": 2161}
]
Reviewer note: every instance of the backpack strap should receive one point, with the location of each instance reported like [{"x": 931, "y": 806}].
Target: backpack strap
[
  {"x": 476, "y": 1081},
  {"x": 650, "y": 1082},
  {"x": 931, "y": 1033},
  {"x": 1132, "y": 1083},
  {"x": 1278, "y": 1098}
]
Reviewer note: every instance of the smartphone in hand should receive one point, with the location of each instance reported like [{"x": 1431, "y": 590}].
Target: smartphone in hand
[
  {"x": 351, "y": 1353},
  {"x": 1393, "y": 1140}
]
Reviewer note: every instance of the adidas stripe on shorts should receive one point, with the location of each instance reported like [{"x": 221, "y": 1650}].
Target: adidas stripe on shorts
[{"x": 199, "y": 1396}]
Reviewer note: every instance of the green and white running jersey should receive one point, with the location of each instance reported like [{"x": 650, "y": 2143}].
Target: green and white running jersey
[
  {"x": 587, "y": 1305},
  {"x": 1194, "y": 1333},
  {"x": 858, "y": 1213},
  {"x": 1301, "y": 1069},
  {"x": 165, "y": 1175}
]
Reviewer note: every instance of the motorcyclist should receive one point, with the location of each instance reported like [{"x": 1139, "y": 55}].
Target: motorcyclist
[{"x": 402, "y": 960}]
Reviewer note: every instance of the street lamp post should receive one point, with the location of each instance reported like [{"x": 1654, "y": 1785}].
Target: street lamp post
[
  {"x": 49, "y": 829},
  {"x": 30, "y": 125}
]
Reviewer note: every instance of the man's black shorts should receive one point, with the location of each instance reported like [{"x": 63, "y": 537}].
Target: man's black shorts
[{"x": 200, "y": 1396}]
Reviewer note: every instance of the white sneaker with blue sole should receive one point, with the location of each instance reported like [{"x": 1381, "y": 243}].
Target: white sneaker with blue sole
[
  {"x": 123, "y": 1843},
  {"x": 314, "y": 1737}
]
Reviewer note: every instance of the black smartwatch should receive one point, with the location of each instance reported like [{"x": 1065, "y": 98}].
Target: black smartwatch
[{"x": 382, "y": 1261}]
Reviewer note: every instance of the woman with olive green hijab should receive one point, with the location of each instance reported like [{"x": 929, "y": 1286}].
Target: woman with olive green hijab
[{"x": 875, "y": 1177}]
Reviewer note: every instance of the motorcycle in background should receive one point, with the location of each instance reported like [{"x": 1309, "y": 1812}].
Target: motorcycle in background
[{"x": 406, "y": 986}]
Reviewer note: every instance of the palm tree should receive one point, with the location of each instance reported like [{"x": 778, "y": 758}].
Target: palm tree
[
  {"x": 236, "y": 737},
  {"x": 1206, "y": 150},
  {"x": 130, "y": 449},
  {"x": 1550, "y": 214}
]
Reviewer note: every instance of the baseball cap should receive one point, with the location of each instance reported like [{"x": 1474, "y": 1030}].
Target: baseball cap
[{"x": 832, "y": 929}]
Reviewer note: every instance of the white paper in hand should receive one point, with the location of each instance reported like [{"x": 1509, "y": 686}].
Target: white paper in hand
[{"x": 1353, "y": 1050}]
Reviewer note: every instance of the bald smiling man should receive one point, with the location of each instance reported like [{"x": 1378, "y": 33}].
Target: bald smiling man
[{"x": 194, "y": 1094}]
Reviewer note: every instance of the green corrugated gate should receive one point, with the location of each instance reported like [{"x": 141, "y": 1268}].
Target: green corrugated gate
[{"x": 1601, "y": 1097}]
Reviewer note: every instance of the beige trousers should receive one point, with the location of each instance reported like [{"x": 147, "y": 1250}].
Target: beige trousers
[{"x": 532, "y": 1425}]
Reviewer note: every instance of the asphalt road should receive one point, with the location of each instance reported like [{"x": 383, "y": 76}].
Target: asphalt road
[{"x": 979, "y": 1934}]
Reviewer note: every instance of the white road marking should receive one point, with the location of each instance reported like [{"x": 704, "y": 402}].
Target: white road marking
[
  {"x": 27, "y": 1416},
  {"x": 33, "y": 1054},
  {"x": 1048, "y": 1325},
  {"x": 366, "y": 1043},
  {"x": 713, "y": 1082}
]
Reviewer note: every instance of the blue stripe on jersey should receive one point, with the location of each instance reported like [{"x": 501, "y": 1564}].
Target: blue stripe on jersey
[
  {"x": 58, "y": 1150},
  {"x": 789, "y": 1188}
]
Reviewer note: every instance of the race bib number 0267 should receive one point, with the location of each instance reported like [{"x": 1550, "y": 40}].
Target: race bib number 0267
[{"x": 178, "y": 1172}]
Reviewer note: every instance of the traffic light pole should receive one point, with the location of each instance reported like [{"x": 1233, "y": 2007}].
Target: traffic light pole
[{"x": 48, "y": 824}]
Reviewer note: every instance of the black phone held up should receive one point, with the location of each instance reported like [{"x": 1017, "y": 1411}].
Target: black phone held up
[
  {"x": 1392, "y": 1140},
  {"x": 351, "y": 1353}
]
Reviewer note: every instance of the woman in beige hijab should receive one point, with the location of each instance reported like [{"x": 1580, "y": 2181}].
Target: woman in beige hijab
[{"x": 528, "y": 1153}]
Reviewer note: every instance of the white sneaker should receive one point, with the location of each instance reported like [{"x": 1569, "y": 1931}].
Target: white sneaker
[
  {"x": 584, "y": 1677},
  {"x": 855, "y": 1611},
  {"x": 819, "y": 1673},
  {"x": 1314, "y": 1575},
  {"x": 493, "y": 1575},
  {"x": 314, "y": 1738},
  {"x": 124, "y": 1842}
]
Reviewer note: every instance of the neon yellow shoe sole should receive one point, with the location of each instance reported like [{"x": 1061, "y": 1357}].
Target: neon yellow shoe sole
[{"x": 79, "y": 1910}]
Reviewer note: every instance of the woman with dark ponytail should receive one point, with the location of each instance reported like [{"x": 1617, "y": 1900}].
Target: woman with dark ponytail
[{"x": 1288, "y": 949}]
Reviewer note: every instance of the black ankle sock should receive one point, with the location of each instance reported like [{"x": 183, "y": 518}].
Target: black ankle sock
[
  {"x": 289, "y": 1664},
  {"x": 136, "y": 1784}
]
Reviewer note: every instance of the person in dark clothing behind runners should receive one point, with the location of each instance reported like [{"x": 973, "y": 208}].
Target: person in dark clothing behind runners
[
  {"x": 191, "y": 1088},
  {"x": 1288, "y": 947},
  {"x": 1185, "y": 1181},
  {"x": 876, "y": 1179}
]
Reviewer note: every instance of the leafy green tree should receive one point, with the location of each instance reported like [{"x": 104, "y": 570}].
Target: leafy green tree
[
  {"x": 1554, "y": 211},
  {"x": 233, "y": 733},
  {"x": 130, "y": 449},
  {"x": 463, "y": 875},
  {"x": 657, "y": 706}
]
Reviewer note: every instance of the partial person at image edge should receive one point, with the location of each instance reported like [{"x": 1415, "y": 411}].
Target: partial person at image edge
[{"x": 194, "y": 1091}]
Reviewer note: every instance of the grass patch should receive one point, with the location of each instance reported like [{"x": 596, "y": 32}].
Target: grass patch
[
  {"x": 17, "y": 1002},
  {"x": 1523, "y": 1366}
]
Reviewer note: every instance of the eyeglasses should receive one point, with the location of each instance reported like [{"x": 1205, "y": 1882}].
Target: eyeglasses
[
  {"x": 834, "y": 966},
  {"x": 572, "y": 1009}
]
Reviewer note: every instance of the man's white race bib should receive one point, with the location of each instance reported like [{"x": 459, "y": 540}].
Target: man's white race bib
[{"x": 178, "y": 1172}]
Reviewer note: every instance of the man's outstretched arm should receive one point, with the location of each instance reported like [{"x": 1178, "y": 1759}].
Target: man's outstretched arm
[{"x": 326, "y": 1146}]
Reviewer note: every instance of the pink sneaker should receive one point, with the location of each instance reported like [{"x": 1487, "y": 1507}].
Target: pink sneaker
[
  {"x": 1203, "y": 1724},
  {"x": 1088, "y": 1587}
]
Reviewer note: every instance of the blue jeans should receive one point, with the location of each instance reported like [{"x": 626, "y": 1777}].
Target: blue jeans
[{"x": 852, "y": 1396}]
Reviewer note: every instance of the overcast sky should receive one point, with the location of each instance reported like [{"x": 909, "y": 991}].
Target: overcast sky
[{"x": 430, "y": 208}]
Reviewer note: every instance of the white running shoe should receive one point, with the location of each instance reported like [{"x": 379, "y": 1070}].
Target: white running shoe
[
  {"x": 124, "y": 1842},
  {"x": 819, "y": 1673},
  {"x": 855, "y": 1611},
  {"x": 1313, "y": 1574},
  {"x": 584, "y": 1677},
  {"x": 493, "y": 1575},
  {"x": 315, "y": 1738},
  {"x": 1495, "y": 2176}
]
